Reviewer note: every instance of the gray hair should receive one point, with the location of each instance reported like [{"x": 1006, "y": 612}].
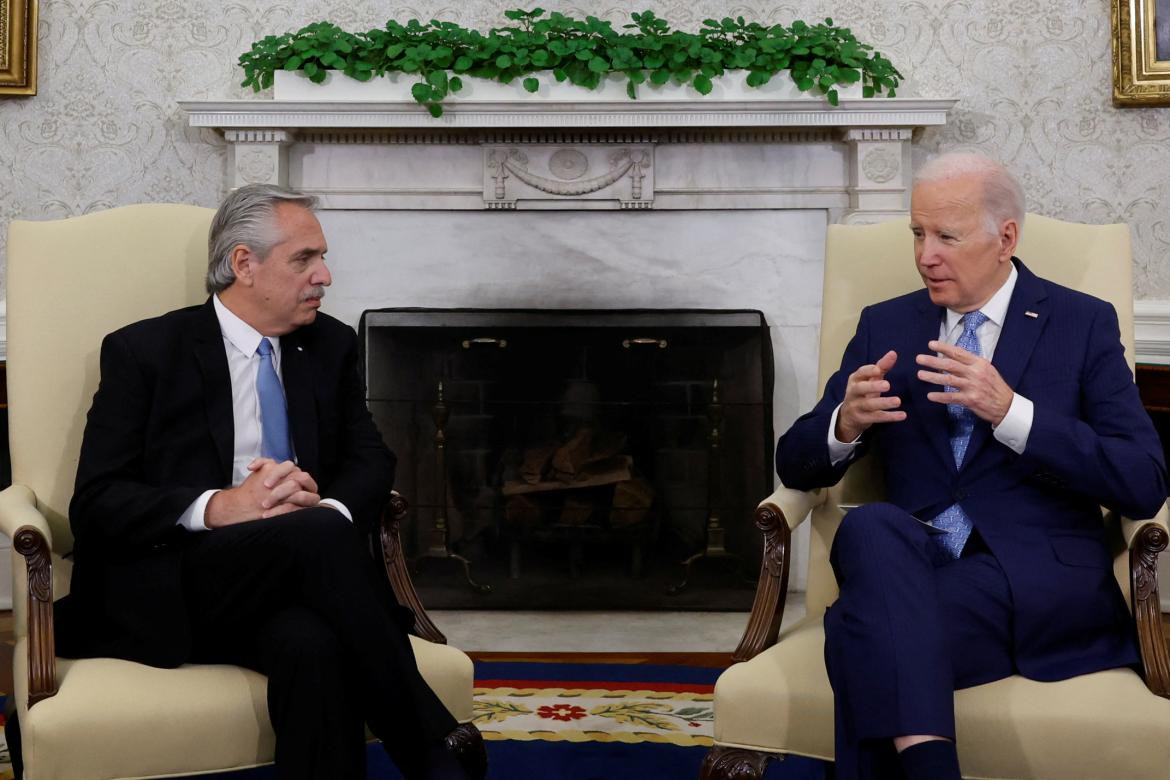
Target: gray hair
[
  {"x": 246, "y": 216},
  {"x": 1003, "y": 198}
]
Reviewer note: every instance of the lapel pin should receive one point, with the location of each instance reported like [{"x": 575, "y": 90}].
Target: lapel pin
[
  {"x": 1031, "y": 314},
  {"x": 302, "y": 349}
]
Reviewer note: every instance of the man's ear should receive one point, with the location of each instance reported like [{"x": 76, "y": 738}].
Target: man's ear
[
  {"x": 1009, "y": 236},
  {"x": 243, "y": 263}
]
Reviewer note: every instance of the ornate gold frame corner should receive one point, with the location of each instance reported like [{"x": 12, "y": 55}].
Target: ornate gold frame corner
[
  {"x": 18, "y": 47},
  {"x": 1140, "y": 78}
]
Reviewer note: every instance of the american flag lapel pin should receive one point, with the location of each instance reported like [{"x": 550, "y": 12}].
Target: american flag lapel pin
[{"x": 1031, "y": 314}]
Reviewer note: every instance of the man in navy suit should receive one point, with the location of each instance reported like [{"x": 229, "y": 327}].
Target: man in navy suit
[
  {"x": 229, "y": 477},
  {"x": 1004, "y": 415}
]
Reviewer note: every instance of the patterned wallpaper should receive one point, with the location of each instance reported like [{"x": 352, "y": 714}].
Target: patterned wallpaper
[{"x": 1033, "y": 78}]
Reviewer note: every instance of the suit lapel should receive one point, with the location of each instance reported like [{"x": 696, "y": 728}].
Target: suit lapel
[
  {"x": 926, "y": 413},
  {"x": 217, "y": 386},
  {"x": 297, "y": 368},
  {"x": 1026, "y": 318}
]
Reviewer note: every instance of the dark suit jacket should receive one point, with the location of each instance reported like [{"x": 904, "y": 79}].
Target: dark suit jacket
[
  {"x": 159, "y": 433},
  {"x": 1091, "y": 444}
]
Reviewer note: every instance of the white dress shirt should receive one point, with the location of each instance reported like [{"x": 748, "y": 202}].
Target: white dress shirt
[
  {"x": 1015, "y": 426},
  {"x": 240, "y": 341}
]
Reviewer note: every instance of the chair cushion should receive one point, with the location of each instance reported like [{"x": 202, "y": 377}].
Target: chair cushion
[
  {"x": 180, "y": 721},
  {"x": 1099, "y": 725}
]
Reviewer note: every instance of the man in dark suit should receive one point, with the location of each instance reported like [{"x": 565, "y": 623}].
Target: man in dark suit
[
  {"x": 1004, "y": 415},
  {"x": 229, "y": 477}
]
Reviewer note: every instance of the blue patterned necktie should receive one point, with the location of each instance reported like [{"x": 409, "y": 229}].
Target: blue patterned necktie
[
  {"x": 273, "y": 412},
  {"x": 953, "y": 519}
]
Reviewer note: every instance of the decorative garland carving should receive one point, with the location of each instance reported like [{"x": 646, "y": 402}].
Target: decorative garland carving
[
  {"x": 516, "y": 163},
  {"x": 395, "y": 564},
  {"x": 42, "y": 657},
  {"x": 725, "y": 763},
  {"x": 466, "y": 743}
]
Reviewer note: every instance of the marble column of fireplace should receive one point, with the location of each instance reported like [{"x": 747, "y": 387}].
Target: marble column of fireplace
[{"x": 679, "y": 204}]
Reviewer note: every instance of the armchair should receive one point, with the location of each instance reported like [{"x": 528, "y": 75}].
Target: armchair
[
  {"x": 69, "y": 283},
  {"x": 777, "y": 700}
]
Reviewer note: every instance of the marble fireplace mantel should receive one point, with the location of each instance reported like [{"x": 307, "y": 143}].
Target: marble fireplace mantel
[{"x": 852, "y": 160}]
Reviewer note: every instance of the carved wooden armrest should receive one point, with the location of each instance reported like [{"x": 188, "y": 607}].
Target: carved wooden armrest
[
  {"x": 30, "y": 533},
  {"x": 1147, "y": 538},
  {"x": 395, "y": 563},
  {"x": 776, "y": 516},
  {"x": 42, "y": 656}
]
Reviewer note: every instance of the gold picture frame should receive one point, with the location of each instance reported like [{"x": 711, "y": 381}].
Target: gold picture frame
[
  {"x": 1141, "y": 52},
  {"x": 18, "y": 47}
]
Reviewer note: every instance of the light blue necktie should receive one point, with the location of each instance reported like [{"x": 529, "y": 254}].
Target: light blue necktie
[
  {"x": 273, "y": 412},
  {"x": 953, "y": 519}
]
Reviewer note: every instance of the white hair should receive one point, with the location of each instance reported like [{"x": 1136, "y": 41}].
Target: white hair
[
  {"x": 247, "y": 216},
  {"x": 1003, "y": 198}
]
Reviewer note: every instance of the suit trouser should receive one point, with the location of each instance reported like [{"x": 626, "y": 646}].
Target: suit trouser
[
  {"x": 907, "y": 630},
  {"x": 297, "y": 598}
]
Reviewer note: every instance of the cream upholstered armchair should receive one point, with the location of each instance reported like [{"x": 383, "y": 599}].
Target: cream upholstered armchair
[
  {"x": 778, "y": 701},
  {"x": 69, "y": 283}
]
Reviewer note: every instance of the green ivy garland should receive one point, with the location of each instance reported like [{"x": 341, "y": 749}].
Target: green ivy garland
[{"x": 818, "y": 57}]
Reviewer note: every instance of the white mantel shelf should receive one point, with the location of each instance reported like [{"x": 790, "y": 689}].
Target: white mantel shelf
[
  {"x": 799, "y": 113},
  {"x": 664, "y": 151}
]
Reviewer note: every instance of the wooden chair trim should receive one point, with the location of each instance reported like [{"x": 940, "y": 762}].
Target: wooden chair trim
[
  {"x": 466, "y": 743},
  {"x": 42, "y": 656},
  {"x": 728, "y": 763},
  {"x": 768, "y": 608},
  {"x": 1147, "y": 609},
  {"x": 395, "y": 563}
]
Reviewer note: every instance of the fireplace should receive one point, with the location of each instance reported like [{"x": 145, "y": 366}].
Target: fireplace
[
  {"x": 590, "y": 459},
  {"x": 735, "y": 194}
]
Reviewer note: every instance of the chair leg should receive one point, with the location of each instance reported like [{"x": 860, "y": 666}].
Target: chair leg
[
  {"x": 724, "y": 763},
  {"x": 467, "y": 744}
]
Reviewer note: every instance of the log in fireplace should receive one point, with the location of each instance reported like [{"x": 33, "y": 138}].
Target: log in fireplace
[{"x": 576, "y": 458}]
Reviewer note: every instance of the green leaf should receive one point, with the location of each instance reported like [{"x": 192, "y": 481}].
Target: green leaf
[
  {"x": 660, "y": 76},
  {"x": 463, "y": 63},
  {"x": 702, "y": 84},
  {"x": 599, "y": 65},
  {"x": 311, "y": 69},
  {"x": 435, "y": 110},
  {"x": 531, "y": 84},
  {"x": 437, "y": 79},
  {"x": 294, "y": 63},
  {"x": 832, "y": 96},
  {"x": 503, "y": 61},
  {"x": 421, "y": 92},
  {"x": 867, "y": 91},
  {"x": 631, "y": 90}
]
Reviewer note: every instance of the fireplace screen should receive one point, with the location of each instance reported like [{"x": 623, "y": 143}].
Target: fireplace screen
[{"x": 576, "y": 459}]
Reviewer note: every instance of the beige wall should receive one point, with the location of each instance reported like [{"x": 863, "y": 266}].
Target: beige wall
[{"x": 1033, "y": 79}]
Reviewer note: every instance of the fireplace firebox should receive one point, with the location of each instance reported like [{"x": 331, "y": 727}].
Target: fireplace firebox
[{"x": 576, "y": 459}]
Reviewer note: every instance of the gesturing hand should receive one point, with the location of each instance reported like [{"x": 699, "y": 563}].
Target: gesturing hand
[
  {"x": 978, "y": 385},
  {"x": 864, "y": 403}
]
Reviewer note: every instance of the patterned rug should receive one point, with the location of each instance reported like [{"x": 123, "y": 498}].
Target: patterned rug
[{"x": 595, "y": 702}]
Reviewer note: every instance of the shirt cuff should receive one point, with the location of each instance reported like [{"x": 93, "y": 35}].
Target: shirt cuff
[
  {"x": 1015, "y": 426},
  {"x": 193, "y": 517},
  {"x": 839, "y": 450},
  {"x": 340, "y": 507}
]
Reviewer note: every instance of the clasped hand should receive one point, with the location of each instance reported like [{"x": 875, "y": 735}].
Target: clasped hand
[
  {"x": 977, "y": 386},
  {"x": 270, "y": 489}
]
